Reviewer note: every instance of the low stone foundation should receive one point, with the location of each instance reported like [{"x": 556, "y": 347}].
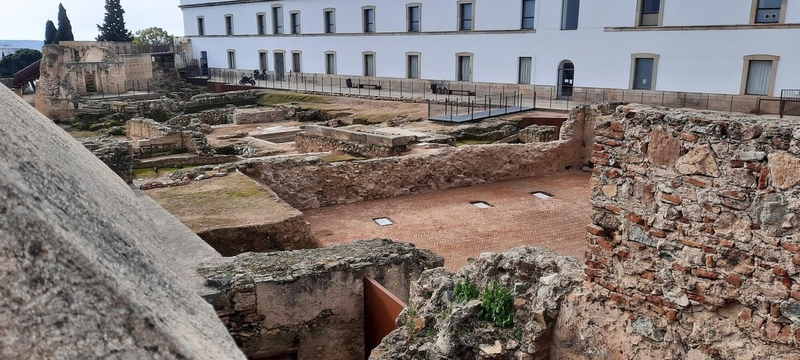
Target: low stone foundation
[
  {"x": 308, "y": 304},
  {"x": 538, "y": 133},
  {"x": 115, "y": 154},
  {"x": 258, "y": 115},
  {"x": 293, "y": 233}
]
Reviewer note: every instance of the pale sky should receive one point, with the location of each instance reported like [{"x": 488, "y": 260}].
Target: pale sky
[{"x": 25, "y": 19}]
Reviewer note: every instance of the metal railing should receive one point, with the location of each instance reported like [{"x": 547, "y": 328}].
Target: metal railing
[
  {"x": 790, "y": 102},
  {"x": 542, "y": 97}
]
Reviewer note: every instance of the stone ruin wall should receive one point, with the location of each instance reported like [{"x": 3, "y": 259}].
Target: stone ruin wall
[
  {"x": 695, "y": 241},
  {"x": 141, "y": 128},
  {"x": 293, "y": 233},
  {"x": 257, "y": 116},
  {"x": 308, "y": 183},
  {"x": 355, "y": 143},
  {"x": 308, "y": 302}
]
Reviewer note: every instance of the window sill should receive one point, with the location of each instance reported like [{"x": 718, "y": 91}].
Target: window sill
[{"x": 703, "y": 27}]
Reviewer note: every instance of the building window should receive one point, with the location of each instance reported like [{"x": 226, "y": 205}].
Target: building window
[
  {"x": 231, "y": 59},
  {"x": 369, "y": 64},
  {"x": 650, "y": 12},
  {"x": 644, "y": 68},
  {"x": 277, "y": 20},
  {"x": 759, "y": 74},
  {"x": 262, "y": 60},
  {"x": 768, "y": 11},
  {"x": 464, "y": 67},
  {"x": 279, "y": 64},
  {"x": 414, "y": 17},
  {"x": 525, "y": 69},
  {"x": 330, "y": 62},
  {"x": 228, "y": 24},
  {"x": 261, "y": 22},
  {"x": 528, "y": 10},
  {"x": 296, "y": 61},
  {"x": 330, "y": 21},
  {"x": 201, "y": 26},
  {"x": 412, "y": 65},
  {"x": 569, "y": 14},
  {"x": 368, "y": 13},
  {"x": 294, "y": 20},
  {"x": 465, "y": 15}
]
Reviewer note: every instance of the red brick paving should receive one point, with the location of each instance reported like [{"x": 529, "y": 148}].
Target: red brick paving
[{"x": 448, "y": 224}]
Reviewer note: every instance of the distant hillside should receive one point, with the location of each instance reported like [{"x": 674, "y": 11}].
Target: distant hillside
[{"x": 11, "y": 46}]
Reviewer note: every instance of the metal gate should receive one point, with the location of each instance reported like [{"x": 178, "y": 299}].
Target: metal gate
[{"x": 790, "y": 102}]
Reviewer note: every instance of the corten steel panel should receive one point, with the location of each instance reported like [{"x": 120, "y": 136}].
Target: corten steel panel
[{"x": 381, "y": 308}]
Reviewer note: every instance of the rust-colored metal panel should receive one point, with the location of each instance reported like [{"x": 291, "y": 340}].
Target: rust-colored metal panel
[{"x": 381, "y": 308}]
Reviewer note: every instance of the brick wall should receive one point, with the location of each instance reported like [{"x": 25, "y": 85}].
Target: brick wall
[{"x": 696, "y": 213}]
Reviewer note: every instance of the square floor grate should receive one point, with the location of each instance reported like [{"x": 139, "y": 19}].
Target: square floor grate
[
  {"x": 383, "y": 221},
  {"x": 481, "y": 204},
  {"x": 541, "y": 194}
]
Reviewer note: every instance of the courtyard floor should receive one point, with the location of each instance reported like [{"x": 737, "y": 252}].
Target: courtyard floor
[{"x": 447, "y": 223}]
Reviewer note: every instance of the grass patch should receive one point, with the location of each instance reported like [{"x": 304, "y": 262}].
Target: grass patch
[
  {"x": 338, "y": 158},
  {"x": 148, "y": 173},
  {"x": 277, "y": 98},
  {"x": 468, "y": 142}
]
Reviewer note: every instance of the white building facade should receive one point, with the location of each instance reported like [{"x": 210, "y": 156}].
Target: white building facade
[{"x": 738, "y": 47}]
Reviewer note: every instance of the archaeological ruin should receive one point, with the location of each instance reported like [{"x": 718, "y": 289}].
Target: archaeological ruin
[{"x": 312, "y": 226}]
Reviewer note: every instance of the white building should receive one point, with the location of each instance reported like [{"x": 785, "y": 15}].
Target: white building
[{"x": 705, "y": 46}]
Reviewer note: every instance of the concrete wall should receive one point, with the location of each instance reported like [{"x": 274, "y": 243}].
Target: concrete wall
[
  {"x": 695, "y": 231},
  {"x": 309, "y": 302},
  {"x": 602, "y": 56}
]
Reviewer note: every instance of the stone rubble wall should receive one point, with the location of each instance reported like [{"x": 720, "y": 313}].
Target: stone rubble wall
[
  {"x": 308, "y": 301},
  {"x": 141, "y": 128},
  {"x": 314, "y": 144},
  {"x": 115, "y": 154},
  {"x": 696, "y": 233},
  {"x": 215, "y": 100},
  {"x": 309, "y": 182},
  {"x": 258, "y": 115},
  {"x": 538, "y": 133},
  {"x": 293, "y": 233}
]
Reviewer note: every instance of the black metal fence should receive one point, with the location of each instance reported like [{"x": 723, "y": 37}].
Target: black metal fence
[
  {"x": 479, "y": 106},
  {"x": 790, "y": 102},
  {"x": 458, "y": 93}
]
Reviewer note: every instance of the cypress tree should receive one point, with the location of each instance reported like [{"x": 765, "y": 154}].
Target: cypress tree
[
  {"x": 50, "y": 33},
  {"x": 64, "y": 32},
  {"x": 113, "y": 28}
]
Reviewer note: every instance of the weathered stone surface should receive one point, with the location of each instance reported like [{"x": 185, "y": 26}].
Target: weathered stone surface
[
  {"x": 645, "y": 328},
  {"x": 538, "y": 134},
  {"x": 309, "y": 301},
  {"x": 785, "y": 170},
  {"x": 115, "y": 154},
  {"x": 664, "y": 148},
  {"x": 538, "y": 279},
  {"x": 311, "y": 183},
  {"x": 700, "y": 160},
  {"x": 85, "y": 274}
]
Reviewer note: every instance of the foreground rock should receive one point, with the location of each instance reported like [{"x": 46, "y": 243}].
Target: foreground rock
[
  {"x": 445, "y": 318},
  {"x": 84, "y": 273}
]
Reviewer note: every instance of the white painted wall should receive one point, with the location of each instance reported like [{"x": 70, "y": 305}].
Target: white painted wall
[{"x": 708, "y": 61}]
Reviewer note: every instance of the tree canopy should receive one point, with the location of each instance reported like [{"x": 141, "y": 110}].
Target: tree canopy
[
  {"x": 113, "y": 28},
  {"x": 64, "y": 32},
  {"x": 50, "y": 33},
  {"x": 11, "y": 64},
  {"x": 153, "y": 36}
]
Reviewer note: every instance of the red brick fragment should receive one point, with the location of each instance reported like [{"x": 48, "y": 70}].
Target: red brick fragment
[
  {"x": 796, "y": 260},
  {"x": 763, "y": 178},
  {"x": 613, "y": 143},
  {"x": 708, "y": 274},
  {"x": 596, "y": 230},
  {"x": 658, "y": 233},
  {"x": 599, "y": 161},
  {"x": 681, "y": 268},
  {"x": 795, "y": 248},
  {"x": 725, "y": 243},
  {"x": 709, "y": 249},
  {"x": 695, "y": 181},
  {"x": 617, "y": 126},
  {"x": 795, "y": 295},
  {"x": 779, "y": 271},
  {"x": 734, "y": 280},
  {"x": 688, "y": 136},
  {"x": 600, "y": 154},
  {"x": 612, "y": 174},
  {"x": 636, "y": 219},
  {"x": 597, "y": 172},
  {"x": 598, "y": 147},
  {"x": 736, "y": 195},
  {"x": 675, "y": 200},
  {"x": 775, "y": 310},
  {"x": 773, "y": 329},
  {"x": 737, "y": 164},
  {"x": 648, "y": 275},
  {"x": 786, "y": 281},
  {"x": 672, "y": 314},
  {"x": 746, "y": 314},
  {"x": 604, "y": 244},
  {"x": 612, "y": 208},
  {"x": 692, "y": 243},
  {"x": 710, "y": 261}
]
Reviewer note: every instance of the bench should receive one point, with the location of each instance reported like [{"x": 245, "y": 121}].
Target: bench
[
  {"x": 369, "y": 86},
  {"x": 461, "y": 92}
]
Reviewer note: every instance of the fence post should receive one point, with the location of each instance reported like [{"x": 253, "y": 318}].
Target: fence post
[
  {"x": 642, "y": 102},
  {"x": 731, "y": 104},
  {"x": 551, "y": 98},
  {"x": 534, "y": 98},
  {"x": 429, "y": 109},
  {"x": 663, "y": 93},
  {"x": 390, "y": 88},
  {"x": 118, "y": 93}
]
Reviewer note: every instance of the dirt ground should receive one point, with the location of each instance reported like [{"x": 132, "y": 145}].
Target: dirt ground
[
  {"x": 230, "y": 201},
  {"x": 447, "y": 223}
]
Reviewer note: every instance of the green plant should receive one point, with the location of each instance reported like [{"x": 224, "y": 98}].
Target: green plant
[
  {"x": 518, "y": 335},
  {"x": 497, "y": 305},
  {"x": 465, "y": 290}
]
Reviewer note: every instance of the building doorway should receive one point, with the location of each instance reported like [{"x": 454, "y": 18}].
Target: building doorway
[
  {"x": 204, "y": 63},
  {"x": 280, "y": 66},
  {"x": 89, "y": 81},
  {"x": 566, "y": 79}
]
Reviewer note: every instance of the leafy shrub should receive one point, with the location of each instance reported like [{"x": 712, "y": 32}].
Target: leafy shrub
[
  {"x": 465, "y": 291},
  {"x": 497, "y": 305}
]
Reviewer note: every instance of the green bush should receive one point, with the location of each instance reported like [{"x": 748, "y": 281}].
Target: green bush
[
  {"x": 497, "y": 305},
  {"x": 465, "y": 290}
]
